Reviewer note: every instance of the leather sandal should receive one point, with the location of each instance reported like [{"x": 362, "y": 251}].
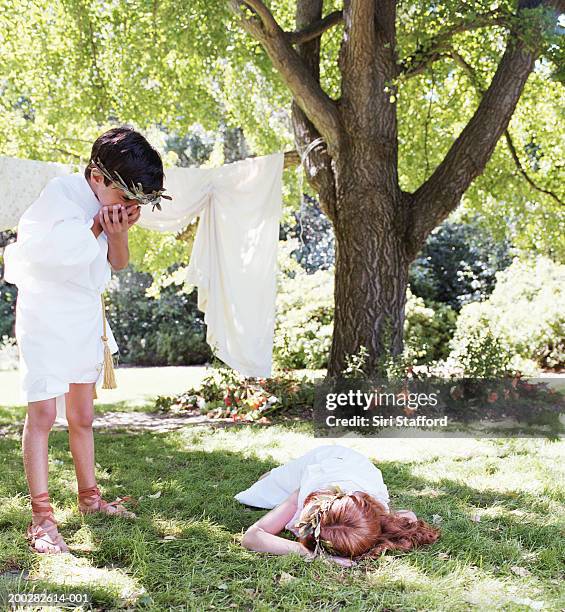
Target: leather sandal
[
  {"x": 49, "y": 535},
  {"x": 90, "y": 501}
]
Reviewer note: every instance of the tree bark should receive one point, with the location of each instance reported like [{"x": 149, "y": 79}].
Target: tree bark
[
  {"x": 317, "y": 164},
  {"x": 371, "y": 269},
  {"x": 378, "y": 228}
]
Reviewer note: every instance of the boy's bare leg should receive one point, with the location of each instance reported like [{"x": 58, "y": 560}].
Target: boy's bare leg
[
  {"x": 80, "y": 415},
  {"x": 35, "y": 439}
]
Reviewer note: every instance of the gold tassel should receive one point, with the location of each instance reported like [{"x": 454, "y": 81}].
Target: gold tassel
[{"x": 109, "y": 376}]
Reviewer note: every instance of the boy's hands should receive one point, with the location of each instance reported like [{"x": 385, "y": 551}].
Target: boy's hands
[{"x": 117, "y": 219}]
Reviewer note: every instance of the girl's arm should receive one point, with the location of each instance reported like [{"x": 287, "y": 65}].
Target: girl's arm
[{"x": 261, "y": 536}]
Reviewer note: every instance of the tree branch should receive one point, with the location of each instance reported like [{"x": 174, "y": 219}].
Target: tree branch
[
  {"x": 264, "y": 14},
  {"x": 310, "y": 97},
  {"x": 358, "y": 50},
  {"x": 439, "y": 46},
  {"x": 291, "y": 159},
  {"x": 316, "y": 29},
  {"x": 469, "y": 154},
  {"x": 523, "y": 172},
  {"x": 316, "y": 161},
  {"x": 67, "y": 152},
  {"x": 514, "y": 154}
]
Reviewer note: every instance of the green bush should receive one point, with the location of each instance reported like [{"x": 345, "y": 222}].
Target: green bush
[
  {"x": 479, "y": 353},
  {"x": 458, "y": 264},
  {"x": 525, "y": 312},
  {"x": 8, "y": 293},
  {"x": 150, "y": 331},
  {"x": 427, "y": 329},
  {"x": 304, "y": 323}
]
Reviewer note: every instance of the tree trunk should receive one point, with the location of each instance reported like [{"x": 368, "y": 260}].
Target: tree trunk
[
  {"x": 378, "y": 228},
  {"x": 371, "y": 270}
]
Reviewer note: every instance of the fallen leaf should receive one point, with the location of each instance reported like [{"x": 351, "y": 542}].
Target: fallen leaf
[
  {"x": 520, "y": 571},
  {"x": 154, "y": 495},
  {"x": 285, "y": 578}
]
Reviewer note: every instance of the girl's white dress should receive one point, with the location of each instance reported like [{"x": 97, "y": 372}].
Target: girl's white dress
[
  {"x": 61, "y": 270},
  {"x": 317, "y": 469}
]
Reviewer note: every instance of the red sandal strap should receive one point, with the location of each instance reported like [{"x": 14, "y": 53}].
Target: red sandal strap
[
  {"x": 116, "y": 502},
  {"x": 40, "y": 531},
  {"x": 40, "y": 500},
  {"x": 93, "y": 491},
  {"x": 40, "y": 505}
]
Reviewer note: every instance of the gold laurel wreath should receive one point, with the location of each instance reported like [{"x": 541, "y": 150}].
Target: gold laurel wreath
[
  {"x": 136, "y": 191},
  {"x": 312, "y": 525}
]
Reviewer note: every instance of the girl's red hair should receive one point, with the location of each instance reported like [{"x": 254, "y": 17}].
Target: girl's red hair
[{"x": 358, "y": 526}]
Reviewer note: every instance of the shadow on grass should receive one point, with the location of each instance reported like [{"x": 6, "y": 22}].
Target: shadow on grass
[{"x": 184, "y": 548}]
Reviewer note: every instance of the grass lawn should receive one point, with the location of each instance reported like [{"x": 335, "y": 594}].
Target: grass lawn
[
  {"x": 499, "y": 504},
  {"x": 135, "y": 385}
]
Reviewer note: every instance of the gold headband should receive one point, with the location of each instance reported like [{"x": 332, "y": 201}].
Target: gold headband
[{"x": 136, "y": 193}]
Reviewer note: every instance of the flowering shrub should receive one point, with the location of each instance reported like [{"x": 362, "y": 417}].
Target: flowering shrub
[
  {"x": 479, "y": 353},
  {"x": 525, "y": 312},
  {"x": 226, "y": 394},
  {"x": 427, "y": 329}
]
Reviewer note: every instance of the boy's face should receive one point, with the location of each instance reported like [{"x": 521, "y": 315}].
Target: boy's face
[{"x": 108, "y": 195}]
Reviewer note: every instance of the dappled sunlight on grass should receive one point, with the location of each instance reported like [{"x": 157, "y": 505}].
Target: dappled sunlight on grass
[
  {"x": 498, "y": 504},
  {"x": 79, "y": 572}
]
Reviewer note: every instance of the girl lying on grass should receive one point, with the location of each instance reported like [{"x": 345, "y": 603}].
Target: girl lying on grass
[{"x": 336, "y": 503}]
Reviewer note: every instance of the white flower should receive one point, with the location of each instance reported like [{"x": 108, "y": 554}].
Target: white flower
[{"x": 201, "y": 403}]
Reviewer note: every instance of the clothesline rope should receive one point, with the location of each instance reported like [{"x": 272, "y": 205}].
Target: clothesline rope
[{"x": 310, "y": 147}]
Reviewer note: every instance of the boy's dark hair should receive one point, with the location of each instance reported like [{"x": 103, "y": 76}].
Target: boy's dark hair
[{"x": 127, "y": 152}]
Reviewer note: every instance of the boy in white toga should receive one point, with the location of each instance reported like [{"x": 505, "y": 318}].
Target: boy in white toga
[{"x": 68, "y": 241}]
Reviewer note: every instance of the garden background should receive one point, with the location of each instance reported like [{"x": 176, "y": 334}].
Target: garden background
[{"x": 485, "y": 298}]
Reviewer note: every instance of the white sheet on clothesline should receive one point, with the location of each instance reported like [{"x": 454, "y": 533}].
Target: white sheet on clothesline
[{"x": 234, "y": 257}]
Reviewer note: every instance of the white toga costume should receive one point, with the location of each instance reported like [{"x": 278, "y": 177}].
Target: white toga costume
[{"x": 61, "y": 270}]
